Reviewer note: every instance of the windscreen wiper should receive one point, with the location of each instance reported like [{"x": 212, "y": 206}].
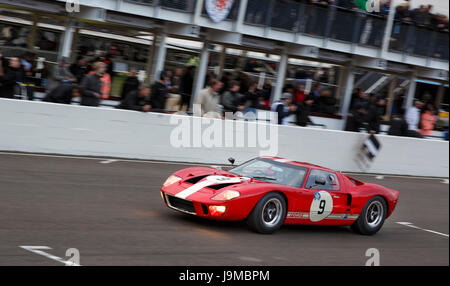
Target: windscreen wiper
[{"x": 265, "y": 178}]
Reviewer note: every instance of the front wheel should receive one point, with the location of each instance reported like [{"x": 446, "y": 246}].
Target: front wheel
[
  {"x": 372, "y": 217},
  {"x": 269, "y": 214}
]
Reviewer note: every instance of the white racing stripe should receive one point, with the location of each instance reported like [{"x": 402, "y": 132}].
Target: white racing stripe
[
  {"x": 209, "y": 181},
  {"x": 193, "y": 189},
  {"x": 408, "y": 224}
]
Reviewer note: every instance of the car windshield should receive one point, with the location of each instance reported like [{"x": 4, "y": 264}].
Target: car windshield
[{"x": 271, "y": 171}]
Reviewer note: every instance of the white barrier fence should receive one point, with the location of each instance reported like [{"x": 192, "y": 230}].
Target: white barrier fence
[{"x": 75, "y": 130}]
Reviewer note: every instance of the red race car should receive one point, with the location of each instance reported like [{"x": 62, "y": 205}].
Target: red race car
[{"x": 270, "y": 191}]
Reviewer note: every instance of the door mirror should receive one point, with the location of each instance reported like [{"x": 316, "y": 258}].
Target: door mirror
[
  {"x": 319, "y": 180},
  {"x": 231, "y": 160}
]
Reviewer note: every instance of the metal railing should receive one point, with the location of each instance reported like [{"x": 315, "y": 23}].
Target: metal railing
[
  {"x": 418, "y": 40},
  {"x": 180, "y": 5},
  {"x": 356, "y": 27},
  {"x": 330, "y": 22},
  {"x": 144, "y": 2}
]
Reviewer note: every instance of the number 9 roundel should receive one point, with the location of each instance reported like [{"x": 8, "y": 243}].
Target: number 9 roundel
[{"x": 321, "y": 206}]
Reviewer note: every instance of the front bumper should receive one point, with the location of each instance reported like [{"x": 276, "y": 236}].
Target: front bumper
[{"x": 199, "y": 205}]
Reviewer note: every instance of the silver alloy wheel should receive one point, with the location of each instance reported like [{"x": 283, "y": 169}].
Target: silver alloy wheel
[
  {"x": 374, "y": 214},
  {"x": 272, "y": 212}
]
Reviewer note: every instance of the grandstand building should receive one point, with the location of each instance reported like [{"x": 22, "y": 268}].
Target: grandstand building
[{"x": 343, "y": 48}]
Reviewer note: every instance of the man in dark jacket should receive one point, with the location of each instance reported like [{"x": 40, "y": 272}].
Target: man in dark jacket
[
  {"x": 9, "y": 76},
  {"x": 63, "y": 93},
  {"x": 358, "y": 113},
  {"x": 303, "y": 111},
  {"x": 251, "y": 98},
  {"x": 186, "y": 86},
  {"x": 92, "y": 86},
  {"x": 373, "y": 115},
  {"x": 327, "y": 103},
  {"x": 159, "y": 92},
  {"x": 78, "y": 69},
  {"x": 130, "y": 84},
  {"x": 399, "y": 127},
  {"x": 232, "y": 99},
  {"x": 137, "y": 100}
]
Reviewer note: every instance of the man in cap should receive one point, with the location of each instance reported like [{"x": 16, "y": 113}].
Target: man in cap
[{"x": 283, "y": 108}]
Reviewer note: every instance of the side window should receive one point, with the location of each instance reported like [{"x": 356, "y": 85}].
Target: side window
[{"x": 331, "y": 181}]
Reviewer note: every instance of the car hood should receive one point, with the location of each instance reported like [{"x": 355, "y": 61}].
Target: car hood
[{"x": 215, "y": 180}]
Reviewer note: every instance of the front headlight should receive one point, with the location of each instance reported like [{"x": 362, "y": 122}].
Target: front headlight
[
  {"x": 171, "y": 180},
  {"x": 226, "y": 195}
]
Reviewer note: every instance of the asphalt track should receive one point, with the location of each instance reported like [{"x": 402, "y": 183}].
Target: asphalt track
[{"x": 112, "y": 212}]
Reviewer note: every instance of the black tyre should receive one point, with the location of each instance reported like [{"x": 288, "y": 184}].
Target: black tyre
[
  {"x": 269, "y": 213},
  {"x": 372, "y": 217}
]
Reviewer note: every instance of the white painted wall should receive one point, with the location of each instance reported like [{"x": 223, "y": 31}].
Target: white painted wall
[{"x": 75, "y": 130}]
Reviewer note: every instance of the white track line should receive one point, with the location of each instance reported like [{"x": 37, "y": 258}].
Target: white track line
[
  {"x": 108, "y": 161},
  {"x": 416, "y": 227},
  {"x": 104, "y": 159},
  {"x": 393, "y": 176},
  {"x": 444, "y": 180},
  {"x": 37, "y": 250},
  {"x": 250, "y": 259}
]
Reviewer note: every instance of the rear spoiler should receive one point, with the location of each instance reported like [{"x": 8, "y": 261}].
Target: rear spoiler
[{"x": 355, "y": 181}]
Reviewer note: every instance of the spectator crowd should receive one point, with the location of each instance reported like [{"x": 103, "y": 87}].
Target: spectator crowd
[
  {"x": 421, "y": 16},
  {"x": 90, "y": 81}
]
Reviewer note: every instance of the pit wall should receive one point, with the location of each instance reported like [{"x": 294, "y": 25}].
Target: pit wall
[{"x": 38, "y": 127}]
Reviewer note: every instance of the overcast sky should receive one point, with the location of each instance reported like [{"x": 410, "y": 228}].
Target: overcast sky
[{"x": 440, "y": 6}]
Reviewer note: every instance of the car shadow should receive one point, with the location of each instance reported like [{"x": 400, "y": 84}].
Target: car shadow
[
  {"x": 241, "y": 226},
  {"x": 316, "y": 228}
]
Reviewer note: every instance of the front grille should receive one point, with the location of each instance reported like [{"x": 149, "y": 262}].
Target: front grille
[{"x": 180, "y": 204}]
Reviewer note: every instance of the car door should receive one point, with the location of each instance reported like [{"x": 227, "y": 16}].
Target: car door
[{"x": 324, "y": 195}]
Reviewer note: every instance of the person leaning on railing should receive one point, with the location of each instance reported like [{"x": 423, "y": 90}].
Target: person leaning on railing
[
  {"x": 10, "y": 74},
  {"x": 137, "y": 100},
  {"x": 63, "y": 93}
]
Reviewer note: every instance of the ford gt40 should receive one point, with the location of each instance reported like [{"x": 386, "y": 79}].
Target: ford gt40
[{"x": 270, "y": 191}]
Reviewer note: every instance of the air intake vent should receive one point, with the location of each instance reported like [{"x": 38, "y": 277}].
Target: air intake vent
[
  {"x": 221, "y": 186},
  {"x": 196, "y": 179}
]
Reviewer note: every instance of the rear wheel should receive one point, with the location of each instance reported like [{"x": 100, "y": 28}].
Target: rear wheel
[
  {"x": 372, "y": 217},
  {"x": 269, "y": 214}
]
